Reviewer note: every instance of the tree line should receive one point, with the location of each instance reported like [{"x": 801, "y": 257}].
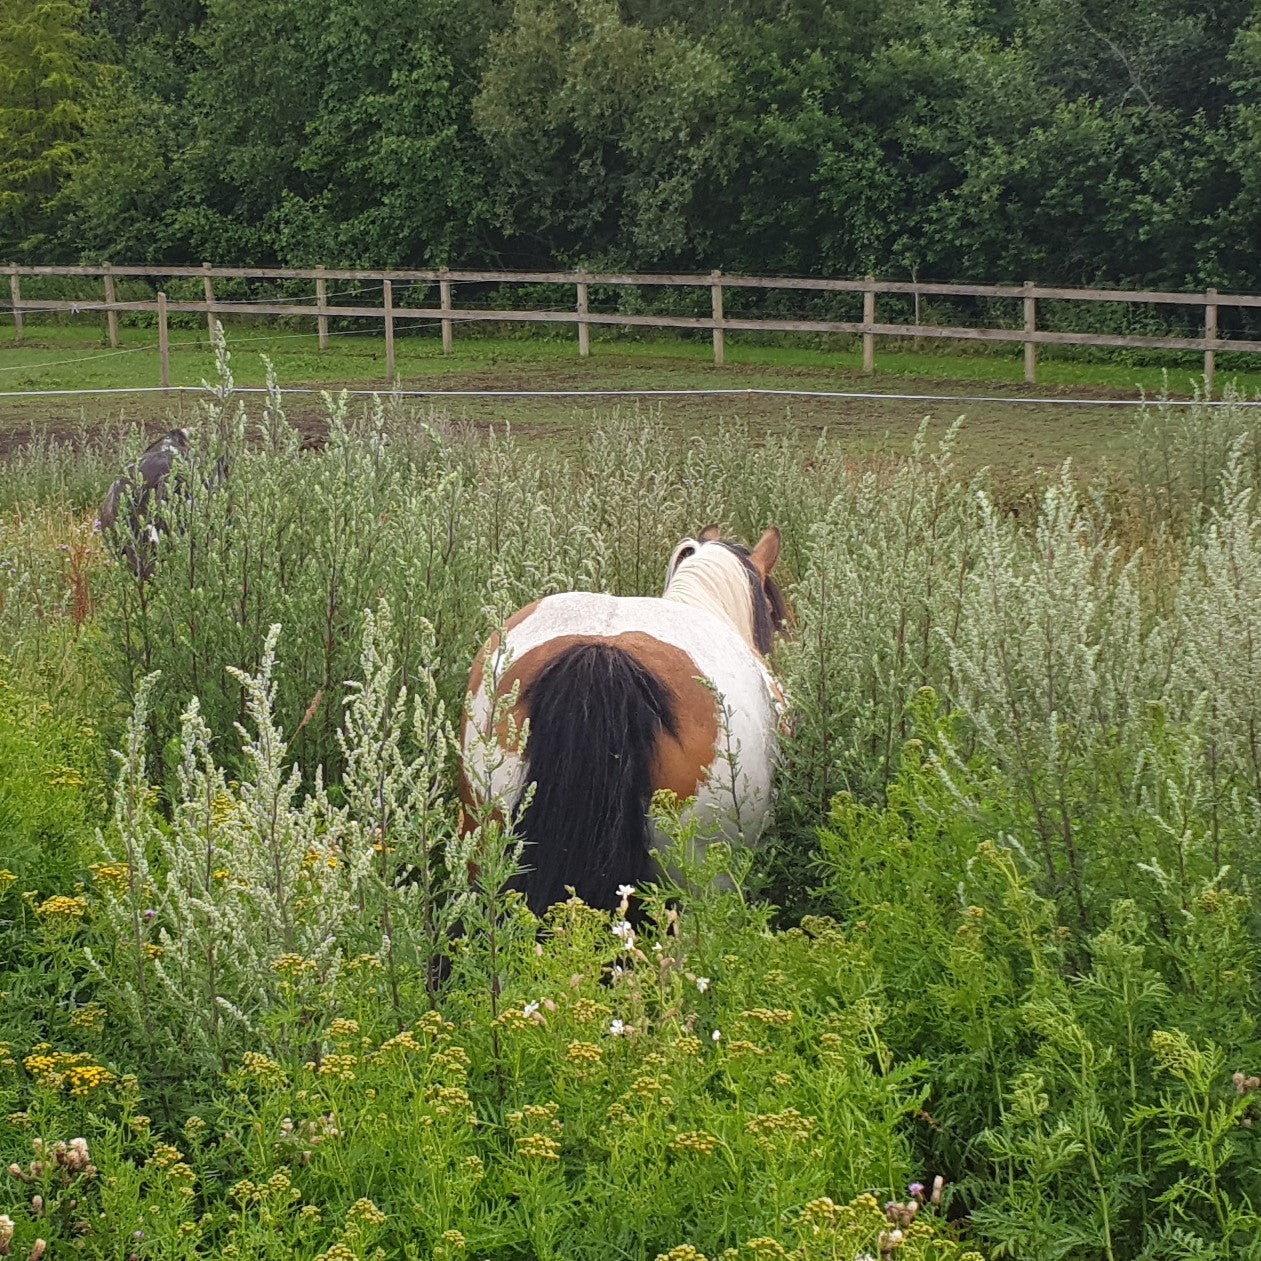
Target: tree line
[{"x": 1068, "y": 141}]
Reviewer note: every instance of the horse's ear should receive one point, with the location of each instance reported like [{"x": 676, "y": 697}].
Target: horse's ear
[
  {"x": 710, "y": 534},
  {"x": 766, "y": 553}
]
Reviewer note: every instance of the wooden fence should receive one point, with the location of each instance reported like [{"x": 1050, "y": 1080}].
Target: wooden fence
[{"x": 447, "y": 314}]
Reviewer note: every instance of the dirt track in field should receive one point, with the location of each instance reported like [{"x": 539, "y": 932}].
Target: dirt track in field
[{"x": 1007, "y": 436}]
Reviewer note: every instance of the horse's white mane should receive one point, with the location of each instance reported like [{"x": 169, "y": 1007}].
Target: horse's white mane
[{"x": 714, "y": 578}]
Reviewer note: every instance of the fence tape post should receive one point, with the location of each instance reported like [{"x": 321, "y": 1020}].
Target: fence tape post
[
  {"x": 15, "y": 288},
  {"x": 918, "y": 343},
  {"x": 444, "y": 301},
  {"x": 209, "y": 290},
  {"x": 1210, "y": 334},
  {"x": 389, "y": 331},
  {"x": 111, "y": 316},
  {"x": 321, "y": 302},
  {"x": 869, "y": 321}
]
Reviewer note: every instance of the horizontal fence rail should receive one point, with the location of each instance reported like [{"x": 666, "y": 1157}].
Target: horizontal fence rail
[{"x": 446, "y": 314}]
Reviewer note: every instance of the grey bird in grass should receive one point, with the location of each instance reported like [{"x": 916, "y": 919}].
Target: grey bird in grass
[{"x": 131, "y": 516}]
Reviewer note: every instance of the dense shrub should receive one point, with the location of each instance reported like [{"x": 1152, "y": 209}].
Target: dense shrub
[
  {"x": 52, "y": 794},
  {"x": 1015, "y": 856},
  {"x": 594, "y": 1089}
]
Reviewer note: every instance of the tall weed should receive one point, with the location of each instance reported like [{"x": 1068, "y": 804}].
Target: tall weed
[{"x": 1015, "y": 848}]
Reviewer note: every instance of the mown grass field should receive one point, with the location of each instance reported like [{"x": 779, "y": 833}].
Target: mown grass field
[
  {"x": 1005, "y": 932},
  {"x": 64, "y": 355},
  {"x": 1013, "y": 437}
]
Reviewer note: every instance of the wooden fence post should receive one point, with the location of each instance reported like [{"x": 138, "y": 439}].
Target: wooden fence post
[
  {"x": 1210, "y": 334},
  {"x": 111, "y": 317},
  {"x": 918, "y": 342},
  {"x": 584, "y": 329},
  {"x": 321, "y": 301},
  {"x": 164, "y": 342},
  {"x": 869, "y": 320},
  {"x": 715, "y": 302},
  {"x": 15, "y": 288},
  {"x": 389, "y": 331},
  {"x": 1031, "y": 324},
  {"x": 209, "y": 290},
  {"x": 444, "y": 301}
]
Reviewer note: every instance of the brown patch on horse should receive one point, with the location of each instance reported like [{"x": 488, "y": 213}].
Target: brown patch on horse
[
  {"x": 468, "y": 804},
  {"x": 681, "y": 765},
  {"x": 710, "y": 534}
]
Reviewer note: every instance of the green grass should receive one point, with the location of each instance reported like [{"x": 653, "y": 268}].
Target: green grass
[
  {"x": 1014, "y": 438},
  {"x": 64, "y": 356}
]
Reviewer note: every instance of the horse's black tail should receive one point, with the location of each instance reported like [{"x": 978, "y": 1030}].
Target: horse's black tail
[{"x": 596, "y": 715}]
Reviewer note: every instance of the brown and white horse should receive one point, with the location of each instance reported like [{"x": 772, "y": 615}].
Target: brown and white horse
[{"x": 627, "y": 695}]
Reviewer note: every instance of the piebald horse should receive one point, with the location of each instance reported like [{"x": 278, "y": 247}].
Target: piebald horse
[{"x": 627, "y": 695}]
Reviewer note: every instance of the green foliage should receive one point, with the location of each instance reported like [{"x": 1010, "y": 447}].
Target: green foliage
[
  {"x": 457, "y": 535},
  {"x": 575, "y": 99},
  {"x": 50, "y": 796},
  {"x": 1071, "y": 143},
  {"x": 564, "y": 1093},
  {"x": 113, "y": 200},
  {"x": 315, "y": 528},
  {"x": 1051, "y": 1098},
  {"x": 391, "y": 168},
  {"x": 1015, "y": 846},
  {"x": 46, "y": 69}
]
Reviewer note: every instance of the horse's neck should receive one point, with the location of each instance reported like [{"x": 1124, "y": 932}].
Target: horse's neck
[{"x": 717, "y": 592}]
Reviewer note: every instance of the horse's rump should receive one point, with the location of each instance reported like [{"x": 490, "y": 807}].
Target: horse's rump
[{"x": 560, "y": 652}]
